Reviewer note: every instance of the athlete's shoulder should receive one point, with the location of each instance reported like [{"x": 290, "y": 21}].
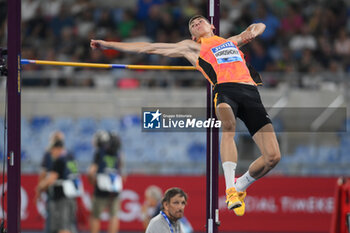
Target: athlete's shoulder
[
  {"x": 233, "y": 40},
  {"x": 188, "y": 42}
]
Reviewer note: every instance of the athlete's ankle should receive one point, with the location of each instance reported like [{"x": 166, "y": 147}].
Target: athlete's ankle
[{"x": 243, "y": 182}]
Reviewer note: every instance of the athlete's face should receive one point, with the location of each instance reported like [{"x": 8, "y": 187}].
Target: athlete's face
[
  {"x": 175, "y": 208},
  {"x": 200, "y": 27}
]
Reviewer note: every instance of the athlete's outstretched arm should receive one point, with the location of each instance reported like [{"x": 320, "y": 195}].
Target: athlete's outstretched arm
[
  {"x": 249, "y": 34},
  {"x": 139, "y": 47},
  {"x": 186, "y": 48},
  {"x": 125, "y": 47}
]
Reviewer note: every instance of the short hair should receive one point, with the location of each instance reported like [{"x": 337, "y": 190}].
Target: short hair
[
  {"x": 172, "y": 192},
  {"x": 57, "y": 144},
  {"x": 154, "y": 192},
  {"x": 197, "y": 17},
  {"x": 54, "y": 137},
  {"x": 101, "y": 139}
]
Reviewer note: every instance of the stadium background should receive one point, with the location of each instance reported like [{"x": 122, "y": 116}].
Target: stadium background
[{"x": 303, "y": 57}]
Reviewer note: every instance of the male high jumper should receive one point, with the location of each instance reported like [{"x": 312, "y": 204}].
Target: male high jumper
[{"x": 235, "y": 95}]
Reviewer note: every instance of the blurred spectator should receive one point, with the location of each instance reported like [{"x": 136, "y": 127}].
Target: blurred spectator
[
  {"x": 85, "y": 22},
  {"x": 285, "y": 63},
  {"x": 143, "y": 7},
  {"x": 36, "y": 27},
  {"x": 151, "y": 205},
  {"x": 106, "y": 20},
  {"x": 153, "y": 21},
  {"x": 3, "y": 11},
  {"x": 292, "y": 22},
  {"x": 47, "y": 160},
  {"x": 314, "y": 22},
  {"x": 342, "y": 43},
  {"x": 225, "y": 24},
  {"x": 302, "y": 40},
  {"x": 62, "y": 184},
  {"x": 46, "y": 165},
  {"x": 105, "y": 174},
  {"x": 169, "y": 25},
  {"x": 78, "y": 7},
  {"x": 243, "y": 21},
  {"x": 235, "y": 9},
  {"x": 68, "y": 43},
  {"x": 127, "y": 24},
  {"x": 259, "y": 58},
  {"x": 51, "y": 8},
  {"x": 325, "y": 51},
  {"x": 306, "y": 61},
  {"x": 190, "y": 9},
  {"x": 272, "y": 23},
  {"x": 60, "y": 21},
  {"x": 29, "y": 8}
]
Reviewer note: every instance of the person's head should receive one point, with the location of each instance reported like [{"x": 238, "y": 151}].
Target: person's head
[
  {"x": 114, "y": 143},
  {"x": 174, "y": 202},
  {"x": 101, "y": 139},
  {"x": 200, "y": 26},
  {"x": 57, "y": 149},
  {"x": 153, "y": 195},
  {"x": 56, "y": 136}
]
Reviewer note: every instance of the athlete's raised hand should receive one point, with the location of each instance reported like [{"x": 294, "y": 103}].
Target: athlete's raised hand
[{"x": 98, "y": 44}]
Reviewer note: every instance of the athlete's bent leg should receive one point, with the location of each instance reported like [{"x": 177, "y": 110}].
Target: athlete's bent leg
[{"x": 267, "y": 142}]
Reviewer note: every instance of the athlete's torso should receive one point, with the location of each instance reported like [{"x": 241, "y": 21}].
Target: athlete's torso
[{"x": 221, "y": 61}]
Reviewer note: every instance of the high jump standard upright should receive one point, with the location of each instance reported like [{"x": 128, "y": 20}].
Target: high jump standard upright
[
  {"x": 14, "y": 116},
  {"x": 212, "y": 140}
]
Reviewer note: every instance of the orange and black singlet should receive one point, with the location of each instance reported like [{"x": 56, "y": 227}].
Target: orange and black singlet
[{"x": 221, "y": 61}]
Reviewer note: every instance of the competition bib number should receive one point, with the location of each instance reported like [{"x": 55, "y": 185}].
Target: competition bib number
[{"x": 227, "y": 52}]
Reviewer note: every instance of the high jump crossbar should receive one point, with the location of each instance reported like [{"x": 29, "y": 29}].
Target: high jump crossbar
[{"x": 106, "y": 66}]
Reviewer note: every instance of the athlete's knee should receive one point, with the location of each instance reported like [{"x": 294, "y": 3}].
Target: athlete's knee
[
  {"x": 272, "y": 158},
  {"x": 229, "y": 126}
]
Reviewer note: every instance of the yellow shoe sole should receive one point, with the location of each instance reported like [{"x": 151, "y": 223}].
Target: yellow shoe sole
[
  {"x": 240, "y": 210},
  {"x": 234, "y": 205}
]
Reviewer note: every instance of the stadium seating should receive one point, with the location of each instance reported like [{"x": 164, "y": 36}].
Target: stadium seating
[{"x": 162, "y": 152}]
